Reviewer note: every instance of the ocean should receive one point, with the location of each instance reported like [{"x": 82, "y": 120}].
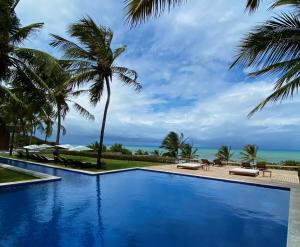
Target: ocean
[{"x": 274, "y": 156}]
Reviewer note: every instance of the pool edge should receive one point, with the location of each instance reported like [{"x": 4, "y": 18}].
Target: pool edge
[
  {"x": 293, "y": 239},
  {"x": 41, "y": 177}
]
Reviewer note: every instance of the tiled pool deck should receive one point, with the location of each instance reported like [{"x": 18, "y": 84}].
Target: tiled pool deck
[{"x": 279, "y": 177}]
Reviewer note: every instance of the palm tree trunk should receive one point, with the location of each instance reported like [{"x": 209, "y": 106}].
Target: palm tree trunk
[
  {"x": 12, "y": 140},
  {"x": 58, "y": 124},
  {"x": 103, "y": 124},
  {"x": 31, "y": 134}
]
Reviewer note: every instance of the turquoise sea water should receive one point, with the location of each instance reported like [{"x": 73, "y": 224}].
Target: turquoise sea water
[{"x": 275, "y": 156}]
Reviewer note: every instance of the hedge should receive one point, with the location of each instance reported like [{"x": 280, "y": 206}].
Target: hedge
[{"x": 107, "y": 155}]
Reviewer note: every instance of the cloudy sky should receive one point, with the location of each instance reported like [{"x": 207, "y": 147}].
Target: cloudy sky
[{"x": 182, "y": 59}]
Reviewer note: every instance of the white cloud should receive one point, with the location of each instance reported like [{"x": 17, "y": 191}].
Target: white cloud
[{"x": 182, "y": 59}]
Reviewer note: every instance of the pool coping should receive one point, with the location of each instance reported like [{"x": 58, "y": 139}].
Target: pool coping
[
  {"x": 41, "y": 177},
  {"x": 293, "y": 237}
]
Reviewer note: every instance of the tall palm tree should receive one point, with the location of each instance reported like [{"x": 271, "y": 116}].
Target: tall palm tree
[
  {"x": 224, "y": 153},
  {"x": 141, "y": 10},
  {"x": 93, "y": 61},
  {"x": 172, "y": 143},
  {"x": 249, "y": 153},
  {"x": 273, "y": 49}
]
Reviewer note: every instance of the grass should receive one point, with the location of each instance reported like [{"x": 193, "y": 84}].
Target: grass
[
  {"x": 110, "y": 164},
  {"x": 7, "y": 176}
]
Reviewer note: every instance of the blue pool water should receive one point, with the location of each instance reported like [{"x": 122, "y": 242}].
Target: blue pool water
[{"x": 140, "y": 209}]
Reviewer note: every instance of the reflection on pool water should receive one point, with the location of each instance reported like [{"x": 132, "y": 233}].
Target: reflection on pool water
[{"x": 140, "y": 208}]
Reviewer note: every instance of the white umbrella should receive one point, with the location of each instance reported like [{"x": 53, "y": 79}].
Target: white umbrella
[
  {"x": 44, "y": 146},
  {"x": 31, "y": 147},
  {"x": 80, "y": 148},
  {"x": 65, "y": 146}
]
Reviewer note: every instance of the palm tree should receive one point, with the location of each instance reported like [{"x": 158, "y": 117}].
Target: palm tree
[
  {"x": 141, "y": 10},
  {"x": 224, "y": 153},
  {"x": 12, "y": 34},
  {"x": 93, "y": 60},
  {"x": 188, "y": 151},
  {"x": 272, "y": 49},
  {"x": 172, "y": 143},
  {"x": 249, "y": 153}
]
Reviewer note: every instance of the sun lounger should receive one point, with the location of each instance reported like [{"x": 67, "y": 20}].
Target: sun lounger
[
  {"x": 244, "y": 171},
  {"x": 191, "y": 166}
]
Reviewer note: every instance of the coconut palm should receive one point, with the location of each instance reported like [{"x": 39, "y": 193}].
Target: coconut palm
[
  {"x": 224, "y": 153},
  {"x": 172, "y": 143},
  {"x": 12, "y": 35},
  {"x": 272, "y": 49},
  {"x": 93, "y": 61},
  {"x": 188, "y": 151},
  {"x": 141, "y": 10},
  {"x": 249, "y": 153}
]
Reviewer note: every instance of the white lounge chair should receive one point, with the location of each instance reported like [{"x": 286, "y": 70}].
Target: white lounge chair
[
  {"x": 244, "y": 171},
  {"x": 191, "y": 166}
]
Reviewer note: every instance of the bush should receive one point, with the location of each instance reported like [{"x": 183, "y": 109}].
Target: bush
[
  {"x": 107, "y": 155},
  {"x": 290, "y": 163},
  {"x": 118, "y": 148}
]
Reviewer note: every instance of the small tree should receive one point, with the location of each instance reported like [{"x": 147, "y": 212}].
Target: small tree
[
  {"x": 249, "y": 153},
  {"x": 188, "y": 152},
  {"x": 224, "y": 153},
  {"x": 172, "y": 143}
]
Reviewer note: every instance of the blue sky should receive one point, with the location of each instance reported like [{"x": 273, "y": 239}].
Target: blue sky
[{"x": 182, "y": 59}]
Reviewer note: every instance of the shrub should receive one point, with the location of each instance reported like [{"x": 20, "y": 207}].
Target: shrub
[
  {"x": 141, "y": 152},
  {"x": 118, "y": 148},
  {"x": 290, "y": 163},
  {"x": 107, "y": 155}
]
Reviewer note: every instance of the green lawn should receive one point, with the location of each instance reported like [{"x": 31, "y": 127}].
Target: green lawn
[
  {"x": 7, "y": 175},
  {"x": 111, "y": 164}
]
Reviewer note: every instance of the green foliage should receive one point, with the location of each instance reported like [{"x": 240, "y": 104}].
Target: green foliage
[
  {"x": 139, "y": 11},
  {"x": 92, "y": 61},
  {"x": 290, "y": 163},
  {"x": 156, "y": 153},
  {"x": 172, "y": 143},
  {"x": 118, "y": 148},
  {"x": 128, "y": 157},
  {"x": 141, "y": 152},
  {"x": 188, "y": 152},
  {"x": 272, "y": 49},
  {"x": 249, "y": 153},
  {"x": 95, "y": 146},
  {"x": 224, "y": 153}
]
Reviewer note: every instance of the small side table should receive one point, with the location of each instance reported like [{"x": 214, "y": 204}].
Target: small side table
[{"x": 267, "y": 171}]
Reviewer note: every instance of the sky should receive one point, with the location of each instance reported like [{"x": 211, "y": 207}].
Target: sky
[{"x": 183, "y": 60}]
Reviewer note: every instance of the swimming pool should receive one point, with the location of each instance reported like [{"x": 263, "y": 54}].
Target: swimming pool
[{"x": 140, "y": 208}]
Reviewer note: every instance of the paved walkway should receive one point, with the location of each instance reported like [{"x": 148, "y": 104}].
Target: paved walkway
[{"x": 279, "y": 177}]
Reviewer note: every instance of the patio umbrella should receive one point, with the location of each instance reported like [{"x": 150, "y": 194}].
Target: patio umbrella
[
  {"x": 80, "y": 148},
  {"x": 64, "y": 146},
  {"x": 31, "y": 147},
  {"x": 45, "y": 146}
]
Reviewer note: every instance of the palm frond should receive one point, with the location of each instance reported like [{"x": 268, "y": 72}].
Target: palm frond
[
  {"x": 252, "y": 5},
  {"x": 139, "y": 11},
  {"x": 71, "y": 49},
  {"x": 96, "y": 91},
  {"x": 280, "y": 94},
  {"x": 23, "y": 32},
  {"x": 84, "y": 112},
  {"x": 294, "y": 4},
  {"x": 118, "y": 52},
  {"x": 87, "y": 76}
]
